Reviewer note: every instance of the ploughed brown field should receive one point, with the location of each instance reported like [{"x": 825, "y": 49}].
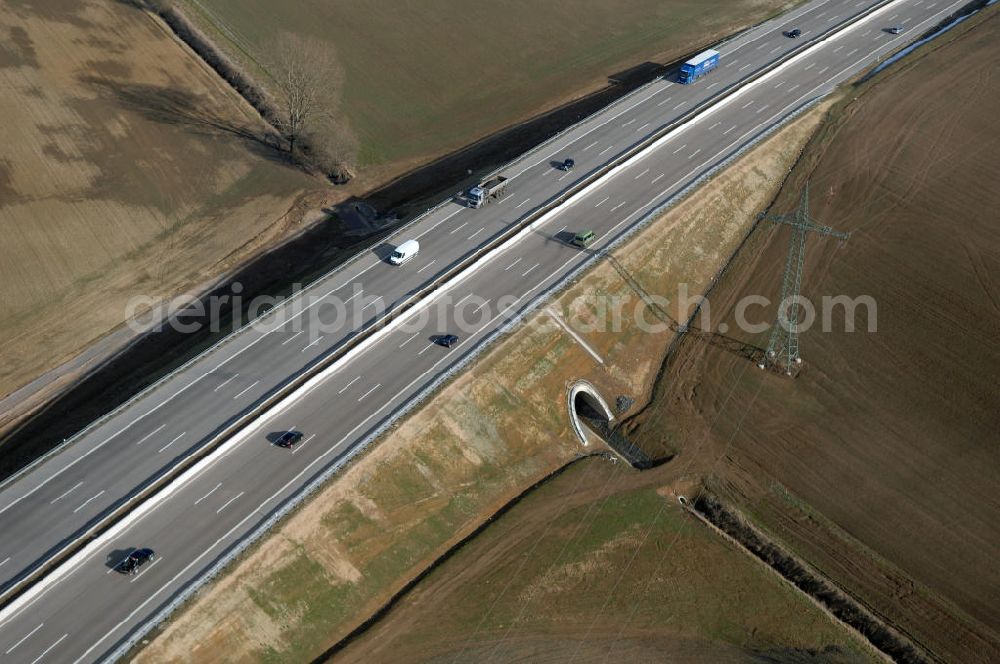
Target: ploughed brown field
[
  {"x": 128, "y": 168},
  {"x": 879, "y": 462}
]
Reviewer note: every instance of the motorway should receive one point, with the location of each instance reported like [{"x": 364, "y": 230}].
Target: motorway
[{"x": 91, "y": 608}]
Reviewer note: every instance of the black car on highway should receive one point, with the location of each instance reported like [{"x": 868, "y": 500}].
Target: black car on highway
[
  {"x": 135, "y": 560},
  {"x": 793, "y": 33},
  {"x": 567, "y": 165},
  {"x": 289, "y": 439},
  {"x": 447, "y": 340}
]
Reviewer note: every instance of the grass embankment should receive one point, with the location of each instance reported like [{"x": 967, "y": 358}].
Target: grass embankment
[
  {"x": 129, "y": 169},
  {"x": 877, "y": 464},
  {"x": 483, "y": 439},
  {"x": 424, "y": 79}
]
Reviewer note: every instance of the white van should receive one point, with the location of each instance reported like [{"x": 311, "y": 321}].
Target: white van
[{"x": 404, "y": 252}]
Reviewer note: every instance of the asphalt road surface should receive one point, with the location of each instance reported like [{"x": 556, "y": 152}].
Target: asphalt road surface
[{"x": 92, "y": 608}]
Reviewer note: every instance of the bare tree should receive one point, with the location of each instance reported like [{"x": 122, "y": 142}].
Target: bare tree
[
  {"x": 307, "y": 80},
  {"x": 331, "y": 147}
]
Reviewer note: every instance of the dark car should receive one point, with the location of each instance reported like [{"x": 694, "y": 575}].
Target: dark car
[
  {"x": 567, "y": 165},
  {"x": 793, "y": 33},
  {"x": 289, "y": 439},
  {"x": 447, "y": 340},
  {"x": 135, "y": 560},
  {"x": 894, "y": 30}
]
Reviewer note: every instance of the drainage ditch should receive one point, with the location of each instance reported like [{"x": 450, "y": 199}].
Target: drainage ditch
[{"x": 843, "y": 607}]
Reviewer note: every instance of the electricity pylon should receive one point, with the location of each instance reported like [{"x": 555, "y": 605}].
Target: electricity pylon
[{"x": 783, "y": 348}]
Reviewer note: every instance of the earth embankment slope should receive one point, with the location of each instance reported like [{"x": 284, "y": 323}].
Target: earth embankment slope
[
  {"x": 128, "y": 169},
  {"x": 878, "y": 462}
]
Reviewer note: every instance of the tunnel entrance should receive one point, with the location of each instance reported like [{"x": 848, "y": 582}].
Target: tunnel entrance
[
  {"x": 587, "y": 407},
  {"x": 588, "y": 412},
  {"x": 593, "y": 420}
]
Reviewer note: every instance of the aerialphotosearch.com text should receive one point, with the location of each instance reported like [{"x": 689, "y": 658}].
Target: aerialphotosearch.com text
[{"x": 320, "y": 316}]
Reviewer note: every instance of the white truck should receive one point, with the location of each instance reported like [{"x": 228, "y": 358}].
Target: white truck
[{"x": 487, "y": 191}]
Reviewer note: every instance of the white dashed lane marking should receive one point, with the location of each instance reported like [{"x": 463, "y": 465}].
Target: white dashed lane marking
[
  {"x": 289, "y": 339},
  {"x": 88, "y": 501},
  {"x": 47, "y": 650},
  {"x": 23, "y": 639},
  {"x": 157, "y": 429},
  {"x": 56, "y": 500},
  {"x": 176, "y": 438},
  {"x": 362, "y": 397},
  {"x": 249, "y": 387},
  {"x": 230, "y": 501},
  {"x": 346, "y": 387},
  {"x": 225, "y": 382},
  {"x": 303, "y": 443},
  {"x": 214, "y": 489}
]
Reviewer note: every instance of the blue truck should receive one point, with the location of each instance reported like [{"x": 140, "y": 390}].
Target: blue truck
[{"x": 698, "y": 66}]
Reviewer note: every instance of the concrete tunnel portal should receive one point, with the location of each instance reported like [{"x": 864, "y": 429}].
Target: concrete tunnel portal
[
  {"x": 593, "y": 421},
  {"x": 588, "y": 411}
]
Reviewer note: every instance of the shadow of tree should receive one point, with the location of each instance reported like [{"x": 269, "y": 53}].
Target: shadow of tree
[{"x": 173, "y": 106}]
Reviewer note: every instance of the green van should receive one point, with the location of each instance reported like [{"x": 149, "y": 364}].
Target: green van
[{"x": 584, "y": 239}]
